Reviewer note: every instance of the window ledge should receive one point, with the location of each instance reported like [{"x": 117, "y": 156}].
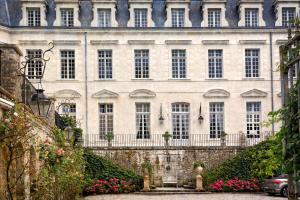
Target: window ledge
[
  {"x": 104, "y": 80},
  {"x": 253, "y": 79},
  {"x": 142, "y": 79},
  {"x": 68, "y": 80},
  {"x": 216, "y": 79},
  {"x": 179, "y": 79}
]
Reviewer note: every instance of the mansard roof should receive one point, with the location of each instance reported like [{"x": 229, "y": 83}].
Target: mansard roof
[{"x": 10, "y": 12}]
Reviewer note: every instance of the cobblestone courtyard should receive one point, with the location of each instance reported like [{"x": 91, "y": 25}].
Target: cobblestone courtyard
[{"x": 186, "y": 197}]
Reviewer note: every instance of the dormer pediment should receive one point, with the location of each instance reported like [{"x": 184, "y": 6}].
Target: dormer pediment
[
  {"x": 104, "y": 94},
  {"x": 142, "y": 93},
  {"x": 216, "y": 93},
  {"x": 254, "y": 93},
  {"x": 67, "y": 93}
]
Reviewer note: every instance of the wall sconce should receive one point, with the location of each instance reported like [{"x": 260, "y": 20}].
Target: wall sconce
[
  {"x": 161, "y": 118},
  {"x": 200, "y": 118},
  {"x": 42, "y": 102}
]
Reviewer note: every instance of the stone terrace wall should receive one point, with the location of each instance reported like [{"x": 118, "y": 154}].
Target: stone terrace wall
[{"x": 169, "y": 163}]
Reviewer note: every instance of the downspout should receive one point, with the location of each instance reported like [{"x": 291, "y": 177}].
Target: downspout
[
  {"x": 272, "y": 77},
  {"x": 86, "y": 86},
  {"x": 7, "y": 11}
]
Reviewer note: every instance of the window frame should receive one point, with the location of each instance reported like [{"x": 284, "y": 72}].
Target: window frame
[
  {"x": 215, "y": 64},
  {"x": 253, "y": 19},
  {"x": 217, "y": 116},
  {"x": 179, "y": 63},
  {"x": 140, "y": 17},
  {"x": 142, "y": 63},
  {"x": 178, "y": 17},
  {"x": 182, "y": 116},
  {"x": 250, "y": 71},
  {"x": 36, "y": 18},
  {"x": 252, "y": 123},
  {"x": 107, "y": 17},
  {"x": 32, "y": 65},
  {"x": 214, "y": 20},
  {"x": 285, "y": 22},
  {"x": 68, "y": 20},
  {"x": 68, "y": 58},
  {"x": 145, "y": 116},
  {"x": 108, "y": 119},
  {"x": 106, "y": 69}
]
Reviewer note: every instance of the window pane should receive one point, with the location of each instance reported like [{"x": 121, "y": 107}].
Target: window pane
[
  {"x": 143, "y": 120},
  {"x": 216, "y": 117},
  {"x": 253, "y": 119},
  {"x": 180, "y": 120},
  {"x": 252, "y": 62},
  {"x": 288, "y": 15},
  {"x": 178, "y": 17},
  {"x": 214, "y": 17},
  {"x": 105, "y": 64},
  {"x": 140, "y": 17},
  {"x": 251, "y": 17},
  {"x": 215, "y": 63},
  {"x": 104, "y": 17},
  {"x": 67, "y": 17},
  {"x": 178, "y": 63},
  {"x": 67, "y": 64},
  {"x": 105, "y": 119},
  {"x": 35, "y": 66},
  {"x": 141, "y": 63},
  {"x": 34, "y": 16}
]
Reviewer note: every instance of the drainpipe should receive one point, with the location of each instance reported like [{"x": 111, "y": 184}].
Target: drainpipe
[
  {"x": 272, "y": 77},
  {"x": 86, "y": 86}
]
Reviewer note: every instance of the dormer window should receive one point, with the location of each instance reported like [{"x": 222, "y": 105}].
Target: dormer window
[
  {"x": 33, "y": 16},
  {"x": 251, "y": 17},
  {"x": 140, "y": 18},
  {"x": 67, "y": 17},
  {"x": 288, "y": 16},
  {"x": 104, "y": 17},
  {"x": 214, "y": 17},
  {"x": 178, "y": 17}
]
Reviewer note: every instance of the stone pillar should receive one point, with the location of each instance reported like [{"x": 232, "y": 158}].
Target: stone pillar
[
  {"x": 146, "y": 183},
  {"x": 199, "y": 183}
]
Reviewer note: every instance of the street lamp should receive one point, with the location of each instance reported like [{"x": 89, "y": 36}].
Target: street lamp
[
  {"x": 69, "y": 133},
  {"x": 42, "y": 102}
]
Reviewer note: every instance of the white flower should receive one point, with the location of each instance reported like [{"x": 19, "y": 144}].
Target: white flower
[{"x": 16, "y": 114}]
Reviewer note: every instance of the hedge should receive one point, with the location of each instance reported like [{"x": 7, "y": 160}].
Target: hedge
[
  {"x": 257, "y": 162},
  {"x": 99, "y": 168}
]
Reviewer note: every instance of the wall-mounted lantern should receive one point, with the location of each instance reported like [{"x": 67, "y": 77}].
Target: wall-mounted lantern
[
  {"x": 161, "y": 118},
  {"x": 200, "y": 118},
  {"x": 42, "y": 102}
]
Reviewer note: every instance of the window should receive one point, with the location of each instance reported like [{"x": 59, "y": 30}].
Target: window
[
  {"x": 35, "y": 67},
  {"x": 252, "y": 62},
  {"x": 253, "y": 119},
  {"x": 105, "y": 119},
  {"x": 104, "y": 17},
  {"x": 214, "y": 17},
  {"x": 288, "y": 15},
  {"x": 34, "y": 16},
  {"x": 178, "y": 63},
  {"x": 251, "y": 17},
  {"x": 141, "y": 58},
  {"x": 143, "y": 120},
  {"x": 68, "y": 109},
  {"x": 140, "y": 18},
  {"x": 180, "y": 120},
  {"x": 105, "y": 64},
  {"x": 177, "y": 17},
  {"x": 216, "y": 119},
  {"x": 215, "y": 63},
  {"x": 67, "y": 17},
  {"x": 67, "y": 64}
]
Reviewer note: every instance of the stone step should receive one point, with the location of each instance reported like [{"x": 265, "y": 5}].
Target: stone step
[{"x": 171, "y": 190}]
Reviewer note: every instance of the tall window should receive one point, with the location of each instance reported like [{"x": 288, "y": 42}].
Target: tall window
[
  {"x": 288, "y": 15},
  {"x": 68, "y": 109},
  {"x": 67, "y": 17},
  {"x": 252, "y": 62},
  {"x": 253, "y": 119},
  {"x": 140, "y": 17},
  {"x": 34, "y": 16},
  {"x": 34, "y": 68},
  {"x": 67, "y": 64},
  {"x": 216, "y": 119},
  {"x": 251, "y": 17},
  {"x": 143, "y": 120},
  {"x": 215, "y": 63},
  {"x": 105, "y": 119},
  {"x": 180, "y": 120},
  {"x": 178, "y": 63},
  {"x": 214, "y": 17},
  {"x": 141, "y": 59},
  {"x": 104, "y": 17},
  {"x": 105, "y": 64},
  {"x": 177, "y": 17}
]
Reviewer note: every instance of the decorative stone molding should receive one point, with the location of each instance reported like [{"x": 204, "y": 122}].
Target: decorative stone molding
[
  {"x": 216, "y": 93},
  {"x": 252, "y": 41},
  {"x": 140, "y": 4},
  {"x": 217, "y": 42},
  {"x": 142, "y": 93},
  {"x": 178, "y": 42},
  {"x": 104, "y": 4},
  {"x": 67, "y": 93},
  {"x": 145, "y": 42},
  {"x": 33, "y": 42},
  {"x": 279, "y": 4},
  {"x": 104, "y": 42},
  {"x": 69, "y": 4},
  {"x": 214, "y": 4},
  {"x": 40, "y": 4},
  {"x": 67, "y": 42},
  {"x": 254, "y": 93},
  {"x": 175, "y": 4},
  {"x": 253, "y": 4},
  {"x": 105, "y": 94}
]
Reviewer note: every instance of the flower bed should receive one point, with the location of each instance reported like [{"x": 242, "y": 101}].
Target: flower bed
[{"x": 235, "y": 185}]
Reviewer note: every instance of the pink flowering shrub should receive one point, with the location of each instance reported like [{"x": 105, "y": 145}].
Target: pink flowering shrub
[
  {"x": 112, "y": 185},
  {"x": 235, "y": 185}
]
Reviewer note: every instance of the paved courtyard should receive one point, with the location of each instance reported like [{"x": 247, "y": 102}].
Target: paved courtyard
[{"x": 218, "y": 196}]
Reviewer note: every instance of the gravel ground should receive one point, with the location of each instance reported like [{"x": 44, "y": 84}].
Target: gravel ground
[{"x": 218, "y": 196}]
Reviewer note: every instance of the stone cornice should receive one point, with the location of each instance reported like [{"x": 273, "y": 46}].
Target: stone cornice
[
  {"x": 33, "y": 42},
  {"x": 133, "y": 42},
  {"x": 215, "y": 42},
  {"x": 104, "y": 42},
  {"x": 66, "y": 42},
  {"x": 176, "y": 42},
  {"x": 252, "y": 41}
]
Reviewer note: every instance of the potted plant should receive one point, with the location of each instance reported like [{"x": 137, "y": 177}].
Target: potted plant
[
  {"x": 223, "y": 138},
  {"x": 167, "y": 137},
  {"x": 109, "y": 137}
]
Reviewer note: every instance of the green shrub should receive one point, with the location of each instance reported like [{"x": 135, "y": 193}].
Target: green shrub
[
  {"x": 257, "y": 162},
  {"x": 99, "y": 168}
]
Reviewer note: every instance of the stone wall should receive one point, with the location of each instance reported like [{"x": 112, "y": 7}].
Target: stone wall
[{"x": 169, "y": 165}]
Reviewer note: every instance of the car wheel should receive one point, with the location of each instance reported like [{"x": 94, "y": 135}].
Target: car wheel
[{"x": 284, "y": 191}]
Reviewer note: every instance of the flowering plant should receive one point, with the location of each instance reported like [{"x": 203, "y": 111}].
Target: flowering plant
[{"x": 235, "y": 185}]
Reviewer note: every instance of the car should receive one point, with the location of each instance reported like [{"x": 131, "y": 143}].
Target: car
[{"x": 277, "y": 185}]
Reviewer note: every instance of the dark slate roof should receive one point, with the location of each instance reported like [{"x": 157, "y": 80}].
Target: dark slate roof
[{"x": 10, "y": 12}]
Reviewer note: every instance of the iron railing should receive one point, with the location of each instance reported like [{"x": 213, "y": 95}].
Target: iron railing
[{"x": 157, "y": 140}]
